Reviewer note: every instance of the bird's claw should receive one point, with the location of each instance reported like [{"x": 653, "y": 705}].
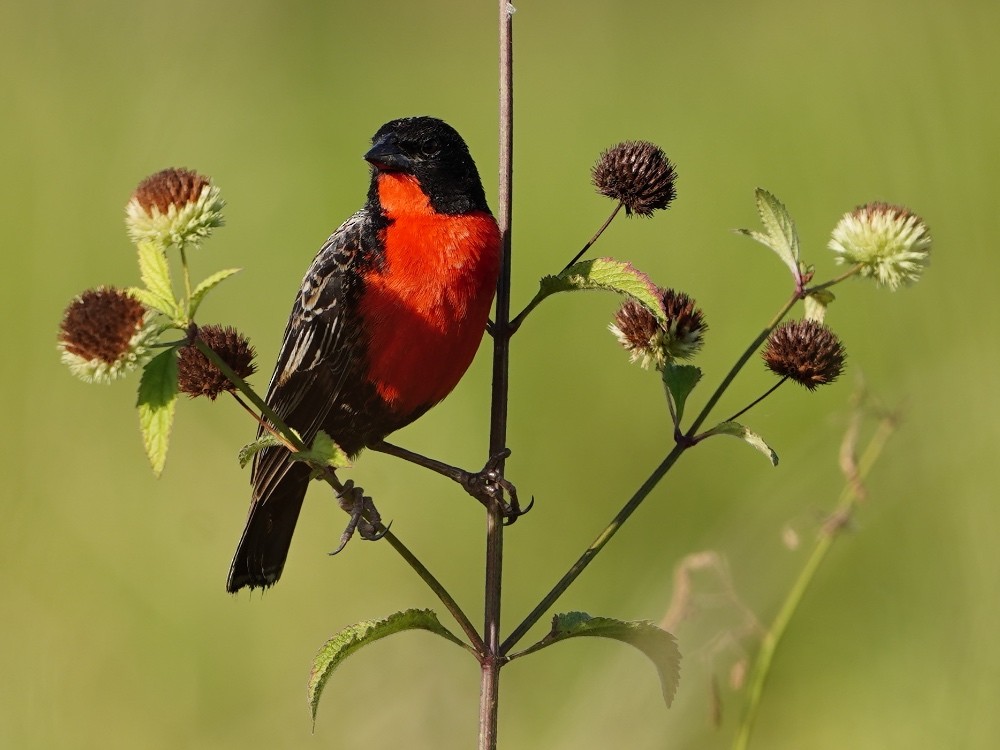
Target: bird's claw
[
  {"x": 489, "y": 485},
  {"x": 365, "y": 519}
]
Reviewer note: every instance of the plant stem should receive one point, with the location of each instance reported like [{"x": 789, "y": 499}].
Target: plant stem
[
  {"x": 596, "y": 236},
  {"x": 515, "y": 324},
  {"x": 440, "y": 591},
  {"x": 279, "y": 424},
  {"x": 744, "y": 358},
  {"x": 756, "y": 401},
  {"x": 187, "y": 284},
  {"x": 587, "y": 557},
  {"x": 772, "y": 639},
  {"x": 492, "y": 660},
  {"x": 612, "y": 528},
  {"x": 761, "y": 338},
  {"x": 853, "y": 271}
]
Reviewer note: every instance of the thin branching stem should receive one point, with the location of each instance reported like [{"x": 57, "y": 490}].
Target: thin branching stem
[
  {"x": 598, "y": 544},
  {"x": 518, "y": 319},
  {"x": 853, "y": 271},
  {"x": 756, "y": 401},
  {"x": 263, "y": 423},
  {"x": 761, "y": 338},
  {"x": 636, "y": 500},
  {"x": 744, "y": 358},
  {"x": 596, "y": 236},
  {"x": 266, "y": 411},
  {"x": 439, "y": 590}
]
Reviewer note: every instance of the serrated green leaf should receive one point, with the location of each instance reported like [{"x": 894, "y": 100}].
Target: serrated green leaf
[
  {"x": 779, "y": 225},
  {"x": 155, "y": 274},
  {"x": 248, "y": 451},
  {"x": 779, "y": 233},
  {"x": 816, "y": 304},
  {"x": 607, "y": 274},
  {"x": 680, "y": 380},
  {"x": 350, "y": 639},
  {"x": 760, "y": 237},
  {"x": 207, "y": 285},
  {"x": 152, "y": 301},
  {"x": 746, "y": 435},
  {"x": 656, "y": 643},
  {"x": 156, "y": 402},
  {"x": 324, "y": 452}
]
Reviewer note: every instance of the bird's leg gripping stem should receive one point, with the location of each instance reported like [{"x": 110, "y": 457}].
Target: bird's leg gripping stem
[
  {"x": 365, "y": 519},
  {"x": 487, "y": 486}
]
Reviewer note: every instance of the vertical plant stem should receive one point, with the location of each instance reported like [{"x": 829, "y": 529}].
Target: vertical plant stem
[
  {"x": 831, "y": 530},
  {"x": 187, "y": 284},
  {"x": 489, "y": 692}
]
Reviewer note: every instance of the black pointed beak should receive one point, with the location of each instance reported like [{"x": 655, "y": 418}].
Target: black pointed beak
[{"x": 386, "y": 156}]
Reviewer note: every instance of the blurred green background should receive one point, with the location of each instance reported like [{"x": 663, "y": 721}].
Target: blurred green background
[{"x": 115, "y": 628}]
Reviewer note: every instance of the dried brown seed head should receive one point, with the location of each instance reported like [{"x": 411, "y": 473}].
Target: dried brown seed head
[
  {"x": 805, "y": 351},
  {"x": 637, "y": 174},
  {"x": 104, "y": 334},
  {"x": 197, "y": 376}
]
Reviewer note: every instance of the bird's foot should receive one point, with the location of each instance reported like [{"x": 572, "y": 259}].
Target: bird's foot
[
  {"x": 489, "y": 487},
  {"x": 365, "y": 519}
]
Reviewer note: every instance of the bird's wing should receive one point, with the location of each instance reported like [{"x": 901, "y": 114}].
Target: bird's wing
[{"x": 312, "y": 361}]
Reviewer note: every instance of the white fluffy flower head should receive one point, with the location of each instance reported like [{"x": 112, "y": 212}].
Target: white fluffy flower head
[{"x": 891, "y": 244}]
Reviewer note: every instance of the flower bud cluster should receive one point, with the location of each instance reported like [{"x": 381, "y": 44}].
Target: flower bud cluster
[
  {"x": 651, "y": 341},
  {"x": 890, "y": 244},
  {"x": 105, "y": 334},
  {"x": 174, "y": 207}
]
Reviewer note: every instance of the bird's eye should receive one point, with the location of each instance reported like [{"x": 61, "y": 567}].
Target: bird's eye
[{"x": 430, "y": 147}]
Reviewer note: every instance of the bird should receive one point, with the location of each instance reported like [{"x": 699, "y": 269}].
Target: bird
[{"x": 387, "y": 320}]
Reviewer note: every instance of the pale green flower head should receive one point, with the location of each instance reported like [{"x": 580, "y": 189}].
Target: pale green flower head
[
  {"x": 174, "y": 207},
  {"x": 105, "y": 334},
  {"x": 890, "y": 244}
]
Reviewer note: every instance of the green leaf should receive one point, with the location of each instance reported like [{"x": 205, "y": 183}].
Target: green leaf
[
  {"x": 680, "y": 380},
  {"x": 779, "y": 230},
  {"x": 324, "y": 452},
  {"x": 156, "y": 402},
  {"x": 207, "y": 285},
  {"x": 155, "y": 274},
  {"x": 349, "y": 640},
  {"x": 607, "y": 274},
  {"x": 816, "y": 304},
  {"x": 746, "y": 435},
  {"x": 153, "y": 301},
  {"x": 655, "y": 642},
  {"x": 248, "y": 451}
]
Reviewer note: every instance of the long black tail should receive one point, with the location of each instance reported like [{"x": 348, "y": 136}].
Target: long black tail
[{"x": 261, "y": 554}]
